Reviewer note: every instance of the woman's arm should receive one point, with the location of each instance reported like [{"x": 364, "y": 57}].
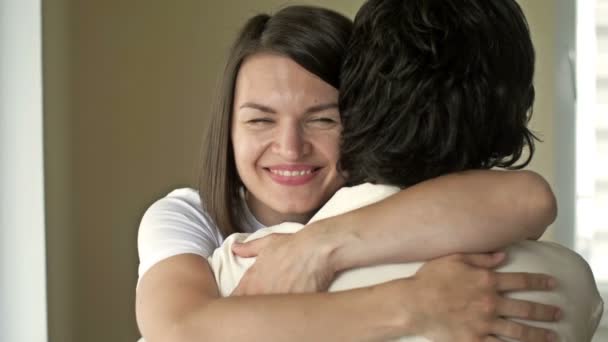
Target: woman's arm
[
  {"x": 178, "y": 301},
  {"x": 468, "y": 212}
]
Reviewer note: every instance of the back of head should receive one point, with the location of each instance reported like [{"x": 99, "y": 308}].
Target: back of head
[{"x": 431, "y": 87}]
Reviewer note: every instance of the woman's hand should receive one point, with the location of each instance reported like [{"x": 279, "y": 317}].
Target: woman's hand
[
  {"x": 460, "y": 299},
  {"x": 286, "y": 263}
]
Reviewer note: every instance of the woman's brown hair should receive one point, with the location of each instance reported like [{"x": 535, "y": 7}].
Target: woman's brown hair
[{"x": 313, "y": 37}]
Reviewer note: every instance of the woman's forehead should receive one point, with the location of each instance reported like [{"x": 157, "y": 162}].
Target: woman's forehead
[{"x": 272, "y": 78}]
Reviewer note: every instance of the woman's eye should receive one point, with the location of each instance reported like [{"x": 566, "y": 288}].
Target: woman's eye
[
  {"x": 260, "y": 121},
  {"x": 325, "y": 122}
]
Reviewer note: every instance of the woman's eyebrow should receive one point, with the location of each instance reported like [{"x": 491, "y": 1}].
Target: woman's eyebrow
[
  {"x": 321, "y": 107},
  {"x": 258, "y": 106},
  {"x": 310, "y": 110}
]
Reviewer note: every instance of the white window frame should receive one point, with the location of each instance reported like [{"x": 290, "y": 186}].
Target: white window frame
[
  {"x": 23, "y": 304},
  {"x": 570, "y": 73},
  {"x": 586, "y": 104}
]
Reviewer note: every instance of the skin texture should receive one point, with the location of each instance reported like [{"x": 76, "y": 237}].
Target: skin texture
[{"x": 285, "y": 119}]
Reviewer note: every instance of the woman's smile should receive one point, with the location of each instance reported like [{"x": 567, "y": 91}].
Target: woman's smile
[{"x": 292, "y": 175}]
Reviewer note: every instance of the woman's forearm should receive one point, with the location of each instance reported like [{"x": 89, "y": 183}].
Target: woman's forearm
[
  {"x": 356, "y": 315},
  {"x": 178, "y": 301},
  {"x": 472, "y": 211}
]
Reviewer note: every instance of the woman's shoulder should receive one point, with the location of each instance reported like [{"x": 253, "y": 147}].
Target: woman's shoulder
[
  {"x": 185, "y": 195},
  {"x": 180, "y": 209},
  {"x": 182, "y": 200},
  {"x": 176, "y": 224}
]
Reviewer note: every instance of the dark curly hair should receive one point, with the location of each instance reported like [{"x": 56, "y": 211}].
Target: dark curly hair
[{"x": 431, "y": 87}]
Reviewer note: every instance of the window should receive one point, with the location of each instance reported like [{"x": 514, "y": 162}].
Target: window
[{"x": 591, "y": 235}]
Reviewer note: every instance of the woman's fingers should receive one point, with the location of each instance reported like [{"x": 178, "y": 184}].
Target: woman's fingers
[
  {"x": 485, "y": 260},
  {"x": 522, "y": 332},
  {"x": 252, "y": 248},
  {"x": 248, "y": 249},
  {"x": 524, "y": 281},
  {"x": 515, "y": 308}
]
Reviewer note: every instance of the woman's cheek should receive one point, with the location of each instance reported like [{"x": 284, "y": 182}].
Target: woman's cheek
[
  {"x": 250, "y": 145},
  {"x": 330, "y": 143}
]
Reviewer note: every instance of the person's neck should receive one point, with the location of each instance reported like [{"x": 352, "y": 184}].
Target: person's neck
[
  {"x": 278, "y": 218},
  {"x": 269, "y": 217}
]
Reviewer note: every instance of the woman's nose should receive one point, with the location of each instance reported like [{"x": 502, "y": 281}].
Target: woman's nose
[{"x": 291, "y": 143}]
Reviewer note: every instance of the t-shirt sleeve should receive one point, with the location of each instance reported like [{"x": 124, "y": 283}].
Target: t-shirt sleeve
[{"x": 173, "y": 225}]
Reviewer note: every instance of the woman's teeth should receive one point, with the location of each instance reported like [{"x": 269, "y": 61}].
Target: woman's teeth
[{"x": 286, "y": 173}]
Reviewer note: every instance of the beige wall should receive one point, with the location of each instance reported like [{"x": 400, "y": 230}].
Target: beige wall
[
  {"x": 59, "y": 165},
  {"x": 541, "y": 18},
  {"x": 127, "y": 86}
]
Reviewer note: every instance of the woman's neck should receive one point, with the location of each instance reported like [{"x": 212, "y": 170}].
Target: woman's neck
[{"x": 269, "y": 217}]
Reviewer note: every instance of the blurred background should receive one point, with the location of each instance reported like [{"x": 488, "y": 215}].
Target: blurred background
[{"x": 102, "y": 109}]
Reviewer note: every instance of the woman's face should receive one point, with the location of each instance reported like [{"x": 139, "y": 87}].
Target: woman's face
[{"x": 285, "y": 132}]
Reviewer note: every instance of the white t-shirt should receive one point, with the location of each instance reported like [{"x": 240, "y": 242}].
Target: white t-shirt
[
  {"x": 177, "y": 224},
  {"x": 577, "y": 293}
]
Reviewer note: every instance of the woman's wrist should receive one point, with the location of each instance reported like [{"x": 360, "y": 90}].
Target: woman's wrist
[
  {"x": 327, "y": 237},
  {"x": 396, "y": 302}
]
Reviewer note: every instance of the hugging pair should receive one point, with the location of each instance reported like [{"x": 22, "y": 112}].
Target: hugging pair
[{"x": 427, "y": 88}]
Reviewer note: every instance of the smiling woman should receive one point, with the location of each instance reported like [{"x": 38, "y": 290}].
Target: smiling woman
[
  {"x": 289, "y": 59},
  {"x": 286, "y": 133}
]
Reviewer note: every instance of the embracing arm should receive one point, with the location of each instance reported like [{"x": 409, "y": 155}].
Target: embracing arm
[
  {"x": 467, "y": 212},
  {"x": 451, "y": 298},
  {"x": 178, "y": 301}
]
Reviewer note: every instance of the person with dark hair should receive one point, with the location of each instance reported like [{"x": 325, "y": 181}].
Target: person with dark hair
[
  {"x": 431, "y": 88},
  {"x": 271, "y": 156},
  {"x": 449, "y": 84}
]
